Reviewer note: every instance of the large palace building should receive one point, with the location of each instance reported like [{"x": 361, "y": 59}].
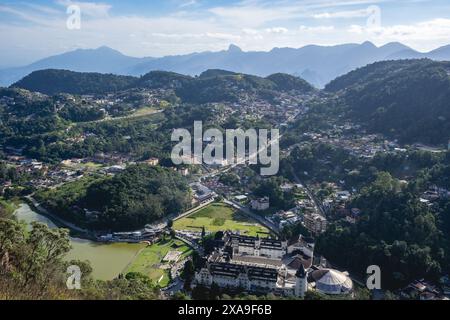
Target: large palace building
[{"x": 259, "y": 265}]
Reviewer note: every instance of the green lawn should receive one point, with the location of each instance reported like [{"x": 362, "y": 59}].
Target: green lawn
[
  {"x": 149, "y": 260},
  {"x": 220, "y": 217},
  {"x": 144, "y": 111}
]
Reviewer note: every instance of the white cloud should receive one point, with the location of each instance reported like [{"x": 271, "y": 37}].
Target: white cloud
[
  {"x": 425, "y": 35},
  {"x": 277, "y": 30},
  {"x": 249, "y": 15},
  {"x": 223, "y": 36},
  {"x": 188, "y": 3},
  {"x": 252, "y": 25},
  {"x": 342, "y": 14},
  {"x": 317, "y": 28},
  {"x": 26, "y": 16},
  {"x": 91, "y": 9}
]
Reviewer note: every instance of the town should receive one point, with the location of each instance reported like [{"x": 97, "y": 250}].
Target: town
[{"x": 222, "y": 228}]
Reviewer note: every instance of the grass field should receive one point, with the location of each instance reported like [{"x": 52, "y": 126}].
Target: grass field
[
  {"x": 220, "y": 217},
  {"x": 144, "y": 111},
  {"x": 149, "y": 260}
]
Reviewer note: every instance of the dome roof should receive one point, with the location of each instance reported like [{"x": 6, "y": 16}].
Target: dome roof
[{"x": 330, "y": 281}]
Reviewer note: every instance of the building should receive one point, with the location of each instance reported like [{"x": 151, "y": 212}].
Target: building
[
  {"x": 226, "y": 273},
  {"x": 258, "y": 265},
  {"x": 152, "y": 161},
  {"x": 202, "y": 194},
  {"x": 331, "y": 282},
  {"x": 231, "y": 275},
  {"x": 315, "y": 223},
  {"x": 241, "y": 198},
  {"x": 422, "y": 290},
  {"x": 259, "y": 247},
  {"x": 183, "y": 171},
  {"x": 260, "y": 204}
]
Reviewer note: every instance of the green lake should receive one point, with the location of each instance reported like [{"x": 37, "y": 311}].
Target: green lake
[{"x": 107, "y": 260}]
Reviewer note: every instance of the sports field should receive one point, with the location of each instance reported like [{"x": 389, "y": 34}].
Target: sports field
[
  {"x": 220, "y": 217},
  {"x": 149, "y": 260}
]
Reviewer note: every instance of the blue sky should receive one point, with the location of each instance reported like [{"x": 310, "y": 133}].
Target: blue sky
[{"x": 30, "y": 30}]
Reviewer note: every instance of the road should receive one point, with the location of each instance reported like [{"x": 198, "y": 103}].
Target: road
[
  {"x": 55, "y": 218},
  {"x": 317, "y": 204},
  {"x": 189, "y": 242},
  {"x": 272, "y": 227}
]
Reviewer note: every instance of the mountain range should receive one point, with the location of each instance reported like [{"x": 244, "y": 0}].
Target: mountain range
[
  {"x": 210, "y": 86},
  {"x": 316, "y": 64}
]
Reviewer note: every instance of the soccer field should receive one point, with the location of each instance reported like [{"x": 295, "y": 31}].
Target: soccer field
[{"x": 220, "y": 217}]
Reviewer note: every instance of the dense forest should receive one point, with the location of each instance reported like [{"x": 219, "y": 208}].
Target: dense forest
[
  {"x": 62, "y": 81},
  {"x": 210, "y": 86},
  {"x": 396, "y": 232},
  {"x": 131, "y": 199}
]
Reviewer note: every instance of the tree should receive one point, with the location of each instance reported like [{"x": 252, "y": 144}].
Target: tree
[
  {"x": 189, "y": 270},
  {"x": 45, "y": 249},
  {"x": 203, "y": 232}
]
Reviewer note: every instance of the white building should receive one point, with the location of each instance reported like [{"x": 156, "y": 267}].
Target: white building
[
  {"x": 259, "y": 265},
  {"x": 259, "y": 247},
  {"x": 332, "y": 282},
  {"x": 252, "y": 278}
]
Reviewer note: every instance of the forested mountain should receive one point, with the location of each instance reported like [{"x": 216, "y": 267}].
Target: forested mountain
[
  {"x": 211, "y": 86},
  {"x": 54, "y": 81},
  {"x": 404, "y": 99},
  {"x": 131, "y": 199},
  {"x": 407, "y": 99}
]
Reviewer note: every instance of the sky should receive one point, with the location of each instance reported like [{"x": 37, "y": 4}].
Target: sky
[{"x": 31, "y": 30}]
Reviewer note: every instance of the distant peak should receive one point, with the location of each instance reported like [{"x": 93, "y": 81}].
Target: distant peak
[
  {"x": 105, "y": 48},
  {"x": 396, "y": 45},
  {"x": 367, "y": 44},
  {"x": 234, "y": 48}
]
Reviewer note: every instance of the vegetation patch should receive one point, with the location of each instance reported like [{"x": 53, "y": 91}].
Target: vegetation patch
[
  {"x": 220, "y": 217},
  {"x": 149, "y": 261}
]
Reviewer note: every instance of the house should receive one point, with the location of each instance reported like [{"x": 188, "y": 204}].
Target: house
[
  {"x": 260, "y": 204},
  {"x": 422, "y": 290},
  {"x": 241, "y": 198},
  {"x": 343, "y": 195},
  {"x": 152, "y": 162},
  {"x": 183, "y": 171}
]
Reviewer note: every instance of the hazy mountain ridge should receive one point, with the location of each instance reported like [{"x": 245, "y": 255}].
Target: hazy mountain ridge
[
  {"x": 101, "y": 60},
  {"x": 316, "y": 64}
]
